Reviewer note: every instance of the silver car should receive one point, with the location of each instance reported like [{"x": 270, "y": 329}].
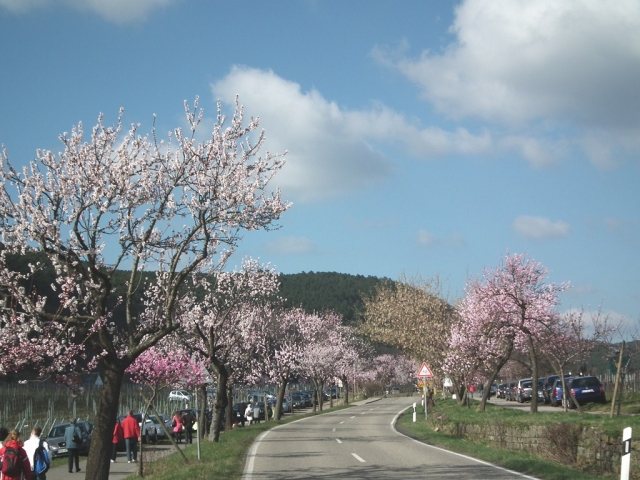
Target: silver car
[{"x": 56, "y": 442}]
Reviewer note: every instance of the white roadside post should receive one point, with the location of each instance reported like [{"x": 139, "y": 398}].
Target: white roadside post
[
  {"x": 625, "y": 468},
  {"x": 414, "y": 412}
]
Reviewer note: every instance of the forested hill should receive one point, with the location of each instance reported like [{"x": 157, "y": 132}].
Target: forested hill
[{"x": 320, "y": 291}]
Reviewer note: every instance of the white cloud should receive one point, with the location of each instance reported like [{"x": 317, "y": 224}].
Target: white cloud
[
  {"x": 543, "y": 65},
  {"x": 117, "y": 11},
  {"x": 539, "y": 228},
  {"x": 332, "y": 151},
  {"x": 427, "y": 239},
  {"x": 291, "y": 246}
]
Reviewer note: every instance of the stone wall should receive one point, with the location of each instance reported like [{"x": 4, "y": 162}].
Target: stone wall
[{"x": 585, "y": 447}]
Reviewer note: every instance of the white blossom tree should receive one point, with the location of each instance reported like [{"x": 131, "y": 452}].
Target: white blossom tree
[{"x": 166, "y": 211}]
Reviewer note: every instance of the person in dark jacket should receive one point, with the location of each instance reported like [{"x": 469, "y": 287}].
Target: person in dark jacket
[
  {"x": 73, "y": 439},
  {"x": 13, "y": 441},
  {"x": 188, "y": 420},
  {"x": 131, "y": 430}
]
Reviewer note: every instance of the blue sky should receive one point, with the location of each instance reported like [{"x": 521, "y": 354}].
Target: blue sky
[{"x": 424, "y": 138}]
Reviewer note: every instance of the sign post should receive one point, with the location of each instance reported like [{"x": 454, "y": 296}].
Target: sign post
[{"x": 424, "y": 373}]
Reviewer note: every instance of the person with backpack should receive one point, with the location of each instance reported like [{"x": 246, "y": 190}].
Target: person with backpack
[
  {"x": 73, "y": 439},
  {"x": 14, "y": 460},
  {"x": 39, "y": 457}
]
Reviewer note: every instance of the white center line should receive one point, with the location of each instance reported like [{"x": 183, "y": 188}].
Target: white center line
[
  {"x": 358, "y": 458},
  {"x": 353, "y": 416},
  {"x": 338, "y": 440},
  {"x": 363, "y": 413},
  {"x": 343, "y": 421},
  {"x": 334, "y": 429}
]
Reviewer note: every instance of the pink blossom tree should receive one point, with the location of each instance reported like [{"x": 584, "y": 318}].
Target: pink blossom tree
[
  {"x": 511, "y": 303},
  {"x": 161, "y": 366},
  {"x": 324, "y": 347},
  {"x": 227, "y": 327},
  {"x": 287, "y": 334},
  {"x": 167, "y": 211}
]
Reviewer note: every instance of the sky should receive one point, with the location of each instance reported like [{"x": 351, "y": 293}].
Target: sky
[{"x": 423, "y": 138}]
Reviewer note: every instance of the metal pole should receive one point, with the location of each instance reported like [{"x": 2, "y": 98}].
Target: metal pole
[
  {"x": 424, "y": 390},
  {"x": 199, "y": 426}
]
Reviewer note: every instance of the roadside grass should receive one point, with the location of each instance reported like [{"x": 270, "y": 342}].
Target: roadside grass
[
  {"x": 526, "y": 463},
  {"x": 224, "y": 459}
]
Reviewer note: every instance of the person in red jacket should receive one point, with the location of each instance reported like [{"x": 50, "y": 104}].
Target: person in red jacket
[
  {"x": 118, "y": 436},
  {"x": 24, "y": 467},
  {"x": 131, "y": 431}
]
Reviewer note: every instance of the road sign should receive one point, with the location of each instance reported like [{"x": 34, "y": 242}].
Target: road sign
[{"x": 424, "y": 371}]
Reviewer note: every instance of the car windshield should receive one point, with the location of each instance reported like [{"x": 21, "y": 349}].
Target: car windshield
[
  {"x": 585, "y": 382},
  {"x": 58, "y": 431},
  {"x": 526, "y": 384}
]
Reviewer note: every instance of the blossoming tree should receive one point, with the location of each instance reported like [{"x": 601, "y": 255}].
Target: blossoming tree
[{"x": 165, "y": 211}]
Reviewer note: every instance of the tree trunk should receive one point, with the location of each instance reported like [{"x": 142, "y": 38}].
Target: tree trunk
[
  {"x": 98, "y": 461},
  {"x": 501, "y": 363},
  {"x": 221, "y": 404},
  {"x": 534, "y": 376},
  {"x": 345, "y": 390},
  {"x": 281, "y": 389},
  {"x": 228, "y": 411}
]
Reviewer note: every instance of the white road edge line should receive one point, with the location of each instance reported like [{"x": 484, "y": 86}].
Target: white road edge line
[
  {"x": 338, "y": 440},
  {"x": 358, "y": 458},
  {"x": 393, "y": 427}
]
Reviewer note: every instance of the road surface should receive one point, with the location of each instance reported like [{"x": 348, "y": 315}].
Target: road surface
[{"x": 358, "y": 443}]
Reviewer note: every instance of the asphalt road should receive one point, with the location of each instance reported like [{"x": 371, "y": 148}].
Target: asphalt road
[{"x": 358, "y": 443}]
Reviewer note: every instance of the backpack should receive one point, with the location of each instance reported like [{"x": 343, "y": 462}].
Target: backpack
[
  {"x": 41, "y": 461},
  {"x": 11, "y": 464}
]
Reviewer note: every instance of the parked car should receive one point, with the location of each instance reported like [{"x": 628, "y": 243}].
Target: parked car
[
  {"x": 297, "y": 400},
  {"x": 238, "y": 410},
  {"x": 158, "y": 422},
  {"x": 56, "y": 442},
  {"x": 180, "y": 395},
  {"x": 286, "y": 405},
  {"x": 555, "y": 396},
  {"x": 511, "y": 392},
  {"x": 261, "y": 405},
  {"x": 586, "y": 390},
  {"x": 547, "y": 386},
  {"x": 502, "y": 390},
  {"x": 309, "y": 398},
  {"x": 523, "y": 390},
  {"x": 148, "y": 432}
]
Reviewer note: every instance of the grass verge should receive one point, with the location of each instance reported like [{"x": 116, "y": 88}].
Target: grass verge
[{"x": 519, "y": 461}]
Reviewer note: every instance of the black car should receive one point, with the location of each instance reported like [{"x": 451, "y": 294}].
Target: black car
[
  {"x": 502, "y": 390},
  {"x": 237, "y": 412}
]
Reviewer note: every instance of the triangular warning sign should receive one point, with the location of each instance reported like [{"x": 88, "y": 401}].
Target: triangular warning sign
[{"x": 424, "y": 371}]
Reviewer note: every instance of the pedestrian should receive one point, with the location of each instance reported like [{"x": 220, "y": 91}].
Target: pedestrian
[
  {"x": 73, "y": 439},
  {"x": 177, "y": 426},
  {"x": 187, "y": 421},
  {"x": 12, "y": 454},
  {"x": 30, "y": 446},
  {"x": 118, "y": 436},
  {"x": 472, "y": 388},
  {"x": 248, "y": 413},
  {"x": 131, "y": 432}
]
